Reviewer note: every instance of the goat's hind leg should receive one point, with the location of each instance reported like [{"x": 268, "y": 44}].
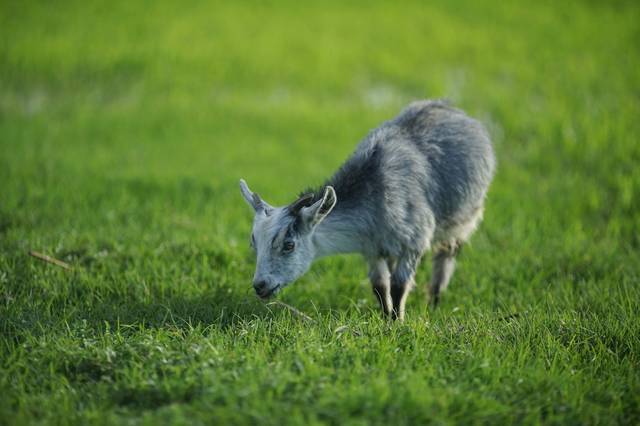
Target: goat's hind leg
[
  {"x": 446, "y": 250},
  {"x": 380, "y": 282},
  {"x": 444, "y": 263}
]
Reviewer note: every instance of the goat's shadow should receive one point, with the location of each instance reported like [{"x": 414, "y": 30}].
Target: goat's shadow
[
  {"x": 221, "y": 309},
  {"x": 210, "y": 309}
]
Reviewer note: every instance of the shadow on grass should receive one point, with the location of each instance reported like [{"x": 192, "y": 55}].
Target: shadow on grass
[
  {"x": 183, "y": 312},
  {"x": 80, "y": 307}
]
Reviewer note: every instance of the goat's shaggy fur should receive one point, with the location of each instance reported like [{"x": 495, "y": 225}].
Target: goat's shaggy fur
[{"x": 416, "y": 183}]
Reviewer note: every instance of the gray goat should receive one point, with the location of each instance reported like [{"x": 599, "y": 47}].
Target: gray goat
[{"x": 416, "y": 183}]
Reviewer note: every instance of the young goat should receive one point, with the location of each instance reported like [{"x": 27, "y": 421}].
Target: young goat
[{"x": 416, "y": 183}]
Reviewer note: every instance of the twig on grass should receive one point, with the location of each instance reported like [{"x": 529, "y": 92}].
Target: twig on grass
[
  {"x": 293, "y": 310},
  {"x": 50, "y": 259}
]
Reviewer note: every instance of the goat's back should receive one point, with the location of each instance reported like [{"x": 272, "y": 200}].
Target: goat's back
[
  {"x": 428, "y": 168},
  {"x": 458, "y": 153}
]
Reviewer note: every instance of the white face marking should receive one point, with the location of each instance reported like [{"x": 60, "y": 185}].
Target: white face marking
[
  {"x": 276, "y": 266},
  {"x": 282, "y": 240}
]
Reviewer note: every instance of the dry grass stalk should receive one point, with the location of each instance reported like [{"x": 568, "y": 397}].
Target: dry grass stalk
[
  {"x": 293, "y": 310},
  {"x": 49, "y": 259}
]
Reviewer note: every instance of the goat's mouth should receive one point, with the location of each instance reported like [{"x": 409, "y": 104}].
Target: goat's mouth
[{"x": 268, "y": 292}]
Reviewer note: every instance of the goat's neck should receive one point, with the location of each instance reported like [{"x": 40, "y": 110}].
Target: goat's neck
[{"x": 337, "y": 233}]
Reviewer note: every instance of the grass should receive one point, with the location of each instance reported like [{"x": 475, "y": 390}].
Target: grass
[{"x": 124, "y": 128}]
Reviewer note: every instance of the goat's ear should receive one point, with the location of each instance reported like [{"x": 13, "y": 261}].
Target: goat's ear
[
  {"x": 253, "y": 199},
  {"x": 315, "y": 213}
]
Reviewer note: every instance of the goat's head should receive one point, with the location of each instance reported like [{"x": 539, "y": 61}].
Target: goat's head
[{"x": 282, "y": 237}]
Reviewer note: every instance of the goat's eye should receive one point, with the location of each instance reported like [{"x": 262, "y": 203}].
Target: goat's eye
[{"x": 288, "y": 246}]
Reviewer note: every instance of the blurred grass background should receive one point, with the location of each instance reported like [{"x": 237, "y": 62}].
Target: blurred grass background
[{"x": 125, "y": 126}]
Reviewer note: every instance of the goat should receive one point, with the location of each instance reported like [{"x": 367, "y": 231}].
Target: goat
[{"x": 416, "y": 183}]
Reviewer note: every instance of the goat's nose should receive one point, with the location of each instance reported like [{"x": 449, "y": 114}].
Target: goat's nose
[{"x": 259, "y": 285}]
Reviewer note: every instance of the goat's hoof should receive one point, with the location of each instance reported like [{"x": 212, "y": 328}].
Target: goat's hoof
[
  {"x": 397, "y": 317},
  {"x": 434, "y": 300}
]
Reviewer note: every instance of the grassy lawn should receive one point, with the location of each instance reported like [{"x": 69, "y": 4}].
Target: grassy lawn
[{"x": 125, "y": 126}]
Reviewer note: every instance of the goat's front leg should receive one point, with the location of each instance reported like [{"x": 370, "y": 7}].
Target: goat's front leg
[
  {"x": 380, "y": 282},
  {"x": 402, "y": 281}
]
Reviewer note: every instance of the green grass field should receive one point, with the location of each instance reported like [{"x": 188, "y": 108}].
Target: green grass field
[{"x": 124, "y": 129}]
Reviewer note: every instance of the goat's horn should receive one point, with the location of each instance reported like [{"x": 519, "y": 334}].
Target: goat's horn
[{"x": 301, "y": 202}]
